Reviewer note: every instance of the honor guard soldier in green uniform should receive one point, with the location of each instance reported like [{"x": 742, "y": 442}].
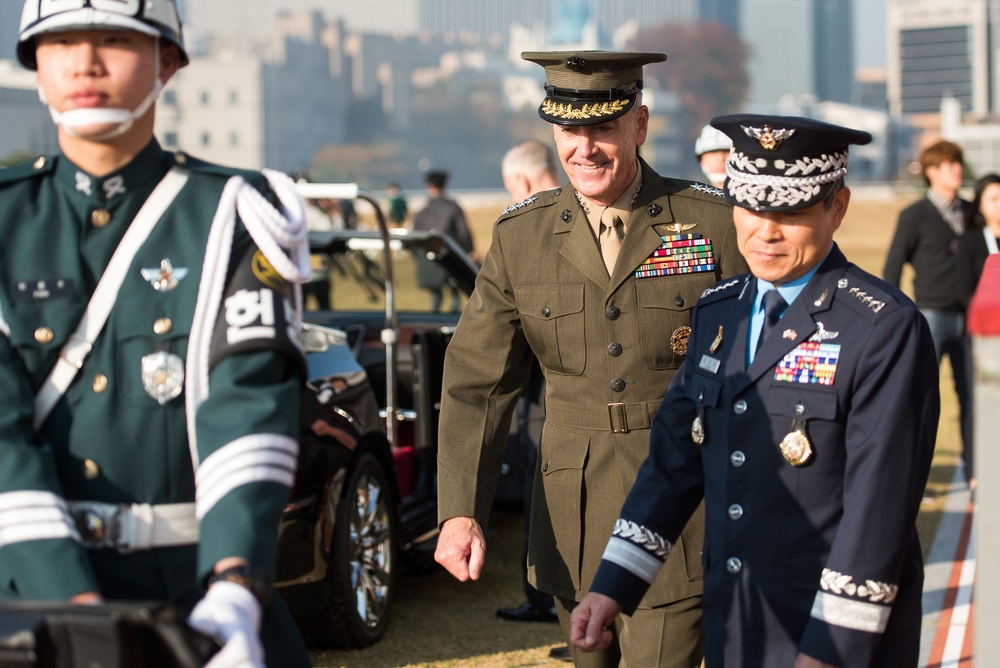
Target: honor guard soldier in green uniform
[
  {"x": 805, "y": 417},
  {"x": 597, "y": 280},
  {"x": 149, "y": 359}
]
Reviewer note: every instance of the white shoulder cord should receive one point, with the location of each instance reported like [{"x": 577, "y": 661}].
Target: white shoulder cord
[
  {"x": 80, "y": 342},
  {"x": 991, "y": 241},
  {"x": 281, "y": 236}
]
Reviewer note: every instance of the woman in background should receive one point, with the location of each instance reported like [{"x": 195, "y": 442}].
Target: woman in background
[{"x": 982, "y": 233}]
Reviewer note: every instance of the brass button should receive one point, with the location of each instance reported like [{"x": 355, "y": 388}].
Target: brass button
[
  {"x": 618, "y": 385},
  {"x": 100, "y": 217},
  {"x": 163, "y": 326},
  {"x": 40, "y": 163},
  {"x": 44, "y": 335},
  {"x": 91, "y": 470},
  {"x": 181, "y": 159},
  {"x": 100, "y": 383},
  {"x": 546, "y": 312}
]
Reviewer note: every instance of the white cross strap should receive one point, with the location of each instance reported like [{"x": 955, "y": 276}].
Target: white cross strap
[{"x": 79, "y": 344}]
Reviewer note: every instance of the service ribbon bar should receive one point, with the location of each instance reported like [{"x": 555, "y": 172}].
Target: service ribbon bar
[
  {"x": 811, "y": 362},
  {"x": 679, "y": 254}
]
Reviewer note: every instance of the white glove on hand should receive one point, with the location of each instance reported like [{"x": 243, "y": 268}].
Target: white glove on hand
[{"x": 230, "y": 612}]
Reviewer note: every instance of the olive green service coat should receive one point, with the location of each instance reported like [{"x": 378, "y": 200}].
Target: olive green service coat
[{"x": 608, "y": 348}]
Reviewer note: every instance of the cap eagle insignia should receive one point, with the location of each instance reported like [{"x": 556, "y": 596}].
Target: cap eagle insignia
[{"x": 769, "y": 138}]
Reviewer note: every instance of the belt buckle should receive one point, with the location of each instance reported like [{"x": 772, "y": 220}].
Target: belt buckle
[
  {"x": 97, "y": 529},
  {"x": 617, "y": 418}
]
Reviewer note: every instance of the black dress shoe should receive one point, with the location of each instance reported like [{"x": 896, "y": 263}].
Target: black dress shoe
[
  {"x": 560, "y": 653},
  {"x": 528, "y": 612}
]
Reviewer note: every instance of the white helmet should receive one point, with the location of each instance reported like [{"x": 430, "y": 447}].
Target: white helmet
[
  {"x": 157, "y": 18},
  {"x": 710, "y": 140}
]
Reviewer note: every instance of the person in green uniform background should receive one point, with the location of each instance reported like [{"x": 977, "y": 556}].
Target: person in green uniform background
[
  {"x": 149, "y": 358},
  {"x": 597, "y": 281}
]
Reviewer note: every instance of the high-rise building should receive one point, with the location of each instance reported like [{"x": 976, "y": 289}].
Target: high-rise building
[
  {"x": 943, "y": 49},
  {"x": 798, "y": 48}
]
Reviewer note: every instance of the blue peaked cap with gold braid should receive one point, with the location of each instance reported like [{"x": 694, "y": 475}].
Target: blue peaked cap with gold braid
[{"x": 781, "y": 163}]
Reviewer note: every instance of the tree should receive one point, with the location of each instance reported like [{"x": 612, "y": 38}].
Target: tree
[{"x": 706, "y": 66}]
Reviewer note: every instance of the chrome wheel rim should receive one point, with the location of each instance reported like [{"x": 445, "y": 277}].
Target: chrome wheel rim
[{"x": 371, "y": 540}]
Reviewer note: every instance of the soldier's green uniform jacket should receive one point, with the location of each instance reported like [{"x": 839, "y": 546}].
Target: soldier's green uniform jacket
[
  {"x": 608, "y": 348},
  {"x": 108, "y": 440}
]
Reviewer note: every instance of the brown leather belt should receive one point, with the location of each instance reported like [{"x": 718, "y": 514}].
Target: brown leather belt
[{"x": 619, "y": 418}]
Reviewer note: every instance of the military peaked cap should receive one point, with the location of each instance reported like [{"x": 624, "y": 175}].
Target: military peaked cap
[
  {"x": 590, "y": 87},
  {"x": 780, "y": 163}
]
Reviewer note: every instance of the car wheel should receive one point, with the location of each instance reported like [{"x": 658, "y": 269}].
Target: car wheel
[{"x": 361, "y": 574}]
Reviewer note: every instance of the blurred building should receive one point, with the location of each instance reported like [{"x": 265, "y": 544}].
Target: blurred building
[
  {"x": 10, "y": 21},
  {"x": 798, "y": 47},
  {"x": 942, "y": 49},
  {"x": 25, "y": 124},
  {"x": 247, "y": 101}
]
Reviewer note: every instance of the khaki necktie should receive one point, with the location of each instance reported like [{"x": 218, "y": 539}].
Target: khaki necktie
[{"x": 610, "y": 238}]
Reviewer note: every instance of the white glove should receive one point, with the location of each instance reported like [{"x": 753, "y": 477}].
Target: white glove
[{"x": 230, "y": 612}]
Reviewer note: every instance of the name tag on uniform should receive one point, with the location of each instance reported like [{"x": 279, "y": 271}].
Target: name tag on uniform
[
  {"x": 810, "y": 362},
  {"x": 709, "y": 364},
  {"x": 43, "y": 290}
]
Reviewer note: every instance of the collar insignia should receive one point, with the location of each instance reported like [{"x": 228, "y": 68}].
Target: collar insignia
[
  {"x": 114, "y": 186},
  {"x": 164, "y": 278},
  {"x": 83, "y": 184}
]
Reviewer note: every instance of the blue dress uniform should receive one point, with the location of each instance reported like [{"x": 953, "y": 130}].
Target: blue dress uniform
[
  {"x": 120, "y": 434},
  {"x": 811, "y": 461}
]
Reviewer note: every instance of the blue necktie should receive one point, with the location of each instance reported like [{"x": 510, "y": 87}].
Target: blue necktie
[{"x": 774, "y": 305}]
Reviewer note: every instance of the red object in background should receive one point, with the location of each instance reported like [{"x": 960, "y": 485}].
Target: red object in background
[
  {"x": 404, "y": 459},
  {"x": 984, "y": 311}
]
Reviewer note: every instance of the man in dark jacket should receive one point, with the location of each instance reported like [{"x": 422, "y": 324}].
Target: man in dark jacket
[
  {"x": 926, "y": 238},
  {"x": 805, "y": 416},
  {"x": 446, "y": 216}
]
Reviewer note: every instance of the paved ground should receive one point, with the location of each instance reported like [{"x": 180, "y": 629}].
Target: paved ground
[{"x": 946, "y": 641}]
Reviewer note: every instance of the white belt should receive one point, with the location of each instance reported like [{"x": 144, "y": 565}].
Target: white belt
[{"x": 137, "y": 526}]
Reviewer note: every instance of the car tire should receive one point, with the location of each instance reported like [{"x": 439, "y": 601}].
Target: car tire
[{"x": 361, "y": 574}]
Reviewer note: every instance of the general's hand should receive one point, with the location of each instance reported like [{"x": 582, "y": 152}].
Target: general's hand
[
  {"x": 461, "y": 548},
  {"x": 588, "y": 626},
  {"x": 232, "y": 614},
  {"x": 806, "y": 661}
]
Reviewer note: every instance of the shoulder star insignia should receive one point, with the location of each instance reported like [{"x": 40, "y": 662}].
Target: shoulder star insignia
[
  {"x": 705, "y": 188},
  {"x": 519, "y": 205}
]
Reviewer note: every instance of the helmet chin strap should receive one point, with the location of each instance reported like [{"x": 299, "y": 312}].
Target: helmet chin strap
[{"x": 123, "y": 119}]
